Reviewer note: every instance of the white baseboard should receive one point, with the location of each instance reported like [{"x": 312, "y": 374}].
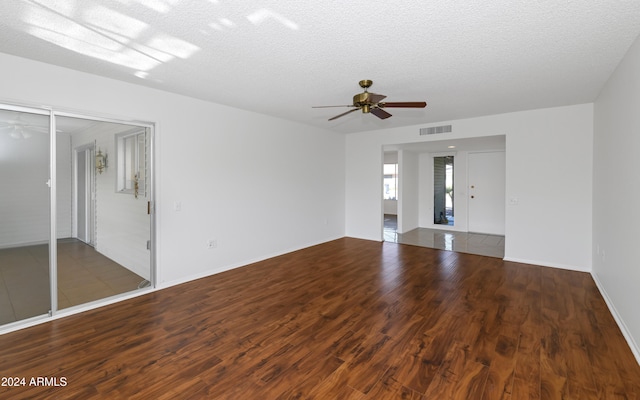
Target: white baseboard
[
  {"x": 41, "y": 319},
  {"x": 215, "y": 271},
  {"x": 545, "y": 264},
  {"x": 22, "y": 244},
  {"x": 635, "y": 349}
]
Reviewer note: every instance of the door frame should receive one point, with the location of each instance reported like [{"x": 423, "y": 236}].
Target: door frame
[
  {"x": 89, "y": 193},
  {"x": 150, "y": 127}
]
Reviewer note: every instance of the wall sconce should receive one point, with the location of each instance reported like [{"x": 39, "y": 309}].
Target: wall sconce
[{"x": 101, "y": 161}]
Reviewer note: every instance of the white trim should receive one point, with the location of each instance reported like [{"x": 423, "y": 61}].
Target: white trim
[
  {"x": 452, "y": 228},
  {"x": 96, "y": 117},
  {"x": 53, "y": 222},
  {"x": 29, "y": 322},
  {"x": 546, "y": 264},
  {"x": 635, "y": 349},
  {"x": 24, "y": 244},
  {"x": 25, "y": 108},
  {"x": 90, "y": 201}
]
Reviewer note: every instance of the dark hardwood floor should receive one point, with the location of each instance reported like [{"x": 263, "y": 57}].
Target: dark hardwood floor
[{"x": 349, "y": 319}]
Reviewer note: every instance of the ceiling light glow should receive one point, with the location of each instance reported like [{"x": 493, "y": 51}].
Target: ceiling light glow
[
  {"x": 161, "y": 6},
  {"x": 173, "y": 46},
  {"x": 112, "y": 21},
  {"x": 108, "y": 35},
  {"x": 227, "y": 22},
  {"x": 259, "y": 16}
]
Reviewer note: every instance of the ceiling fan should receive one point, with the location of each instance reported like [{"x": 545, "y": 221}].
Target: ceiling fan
[
  {"x": 372, "y": 103},
  {"x": 22, "y": 128}
]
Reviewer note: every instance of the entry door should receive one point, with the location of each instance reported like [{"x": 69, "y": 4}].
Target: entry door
[{"x": 487, "y": 192}]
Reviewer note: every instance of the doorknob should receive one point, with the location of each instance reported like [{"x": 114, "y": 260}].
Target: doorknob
[{"x": 473, "y": 197}]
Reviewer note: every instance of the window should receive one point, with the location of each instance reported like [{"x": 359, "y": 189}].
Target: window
[
  {"x": 390, "y": 182},
  {"x": 443, "y": 190},
  {"x": 132, "y": 163}
]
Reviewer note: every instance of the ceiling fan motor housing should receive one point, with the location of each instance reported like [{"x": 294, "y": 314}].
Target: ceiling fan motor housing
[{"x": 363, "y": 100}]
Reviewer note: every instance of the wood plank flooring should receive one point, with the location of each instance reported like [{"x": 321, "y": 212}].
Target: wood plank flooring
[{"x": 348, "y": 319}]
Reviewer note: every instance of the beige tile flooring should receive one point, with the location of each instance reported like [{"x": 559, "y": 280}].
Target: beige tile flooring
[
  {"x": 84, "y": 275},
  {"x": 463, "y": 242}
]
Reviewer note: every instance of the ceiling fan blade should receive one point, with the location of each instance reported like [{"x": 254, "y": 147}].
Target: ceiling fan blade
[
  {"x": 376, "y": 98},
  {"x": 350, "y": 105},
  {"x": 406, "y": 104},
  {"x": 380, "y": 113},
  {"x": 39, "y": 129},
  {"x": 343, "y": 114}
]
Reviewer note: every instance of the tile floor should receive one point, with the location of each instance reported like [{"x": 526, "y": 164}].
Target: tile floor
[
  {"x": 84, "y": 275},
  {"x": 463, "y": 242}
]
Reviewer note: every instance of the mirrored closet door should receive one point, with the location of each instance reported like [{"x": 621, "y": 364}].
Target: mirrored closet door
[
  {"x": 103, "y": 217},
  {"x": 25, "y": 226},
  {"x": 83, "y": 184}
]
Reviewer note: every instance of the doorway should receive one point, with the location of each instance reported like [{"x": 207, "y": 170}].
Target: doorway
[
  {"x": 459, "y": 232},
  {"x": 84, "y": 194}
]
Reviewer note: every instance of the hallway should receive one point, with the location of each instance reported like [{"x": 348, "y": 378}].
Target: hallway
[{"x": 462, "y": 242}]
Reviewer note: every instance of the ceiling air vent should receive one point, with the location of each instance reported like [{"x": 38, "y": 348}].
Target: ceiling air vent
[{"x": 432, "y": 130}]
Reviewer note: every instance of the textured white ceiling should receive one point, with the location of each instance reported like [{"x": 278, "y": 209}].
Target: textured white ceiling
[{"x": 282, "y": 57}]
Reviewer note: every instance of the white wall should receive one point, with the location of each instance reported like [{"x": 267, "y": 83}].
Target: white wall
[
  {"x": 548, "y": 166},
  {"x": 24, "y": 205},
  {"x": 616, "y": 190},
  {"x": 408, "y": 198},
  {"x": 391, "y": 207},
  {"x": 363, "y": 213},
  {"x": 24, "y": 209},
  {"x": 260, "y": 186}
]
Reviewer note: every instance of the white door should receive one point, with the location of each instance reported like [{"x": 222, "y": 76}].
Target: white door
[
  {"x": 487, "y": 192},
  {"x": 84, "y": 195}
]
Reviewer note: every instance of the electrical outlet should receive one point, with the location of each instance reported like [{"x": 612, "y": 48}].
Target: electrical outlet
[{"x": 212, "y": 244}]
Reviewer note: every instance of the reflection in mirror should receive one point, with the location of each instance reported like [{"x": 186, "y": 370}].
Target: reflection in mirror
[
  {"x": 104, "y": 233},
  {"x": 24, "y": 216},
  {"x": 443, "y": 190}
]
